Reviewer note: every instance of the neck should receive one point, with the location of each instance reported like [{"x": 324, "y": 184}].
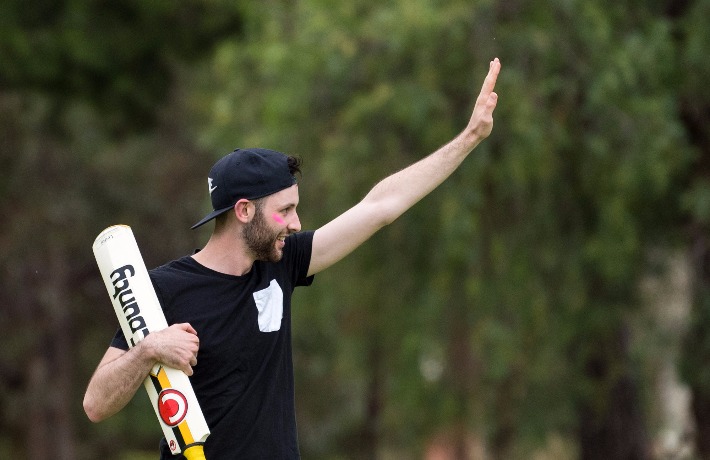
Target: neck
[{"x": 225, "y": 253}]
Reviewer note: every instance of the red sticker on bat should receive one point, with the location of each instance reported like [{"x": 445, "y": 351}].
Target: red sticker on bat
[{"x": 172, "y": 406}]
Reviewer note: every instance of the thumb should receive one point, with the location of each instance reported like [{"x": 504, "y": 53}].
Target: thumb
[{"x": 187, "y": 328}]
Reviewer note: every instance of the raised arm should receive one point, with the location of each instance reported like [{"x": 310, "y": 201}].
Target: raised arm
[{"x": 391, "y": 197}]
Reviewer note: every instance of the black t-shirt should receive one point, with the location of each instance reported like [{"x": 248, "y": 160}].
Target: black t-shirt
[{"x": 244, "y": 373}]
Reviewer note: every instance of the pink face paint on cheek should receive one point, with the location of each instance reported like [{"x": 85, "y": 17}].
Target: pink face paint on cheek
[{"x": 278, "y": 219}]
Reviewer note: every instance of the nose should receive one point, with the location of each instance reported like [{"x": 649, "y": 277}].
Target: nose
[{"x": 294, "y": 225}]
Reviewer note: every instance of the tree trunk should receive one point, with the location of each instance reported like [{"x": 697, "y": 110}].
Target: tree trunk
[
  {"x": 373, "y": 401},
  {"x": 697, "y": 347},
  {"x": 49, "y": 422},
  {"x": 464, "y": 371},
  {"x": 611, "y": 423}
]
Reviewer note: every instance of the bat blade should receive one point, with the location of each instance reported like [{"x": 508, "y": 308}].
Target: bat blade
[{"x": 139, "y": 313}]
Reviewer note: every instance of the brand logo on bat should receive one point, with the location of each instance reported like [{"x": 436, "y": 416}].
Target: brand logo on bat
[
  {"x": 172, "y": 406},
  {"x": 127, "y": 300}
]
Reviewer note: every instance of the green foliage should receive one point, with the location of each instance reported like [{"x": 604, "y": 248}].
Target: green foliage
[
  {"x": 485, "y": 310},
  {"x": 534, "y": 247},
  {"x": 118, "y": 56},
  {"x": 73, "y": 76}
]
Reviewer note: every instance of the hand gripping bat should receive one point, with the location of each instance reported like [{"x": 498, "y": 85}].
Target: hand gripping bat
[{"x": 139, "y": 313}]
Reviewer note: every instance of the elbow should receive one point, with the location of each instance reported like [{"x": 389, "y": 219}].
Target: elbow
[
  {"x": 390, "y": 217},
  {"x": 387, "y": 215},
  {"x": 92, "y": 410},
  {"x": 383, "y": 212}
]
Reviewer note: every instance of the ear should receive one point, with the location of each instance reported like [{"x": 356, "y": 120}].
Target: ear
[{"x": 244, "y": 210}]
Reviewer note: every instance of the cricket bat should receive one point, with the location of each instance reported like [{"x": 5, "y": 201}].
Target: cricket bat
[{"x": 139, "y": 313}]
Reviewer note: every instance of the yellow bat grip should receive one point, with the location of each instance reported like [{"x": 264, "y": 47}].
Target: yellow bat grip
[{"x": 196, "y": 452}]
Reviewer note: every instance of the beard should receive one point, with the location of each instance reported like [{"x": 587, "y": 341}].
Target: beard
[{"x": 261, "y": 240}]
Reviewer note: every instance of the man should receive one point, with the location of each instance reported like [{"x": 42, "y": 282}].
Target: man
[{"x": 231, "y": 301}]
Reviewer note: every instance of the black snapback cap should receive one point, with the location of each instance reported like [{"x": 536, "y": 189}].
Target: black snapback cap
[{"x": 246, "y": 174}]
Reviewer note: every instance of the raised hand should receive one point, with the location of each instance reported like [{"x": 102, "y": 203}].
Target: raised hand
[{"x": 481, "y": 122}]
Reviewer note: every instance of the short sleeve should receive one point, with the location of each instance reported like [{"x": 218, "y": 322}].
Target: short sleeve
[
  {"x": 119, "y": 340},
  {"x": 300, "y": 246}
]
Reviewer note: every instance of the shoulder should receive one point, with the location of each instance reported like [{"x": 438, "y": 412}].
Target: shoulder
[
  {"x": 298, "y": 249},
  {"x": 297, "y": 257},
  {"x": 174, "y": 276},
  {"x": 301, "y": 241},
  {"x": 184, "y": 266}
]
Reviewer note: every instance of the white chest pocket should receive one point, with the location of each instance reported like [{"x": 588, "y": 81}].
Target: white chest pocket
[{"x": 270, "y": 303}]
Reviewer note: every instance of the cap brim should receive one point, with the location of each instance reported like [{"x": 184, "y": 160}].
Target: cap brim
[{"x": 211, "y": 216}]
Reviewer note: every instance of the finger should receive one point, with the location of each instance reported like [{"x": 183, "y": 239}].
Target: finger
[
  {"x": 194, "y": 347},
  {"x": 187, "y": 328},
  {"x": 490, "y": 82}
]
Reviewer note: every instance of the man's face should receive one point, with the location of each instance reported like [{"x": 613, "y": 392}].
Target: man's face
[{"x": 274, "y": 219}]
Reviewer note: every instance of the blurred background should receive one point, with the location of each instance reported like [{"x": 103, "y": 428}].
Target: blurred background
[{"x": 551, "y": 300}]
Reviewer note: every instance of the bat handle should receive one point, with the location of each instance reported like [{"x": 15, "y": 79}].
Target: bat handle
[{"x": 195, "y": 452}]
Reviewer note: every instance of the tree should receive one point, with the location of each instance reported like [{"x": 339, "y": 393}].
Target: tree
[
  {"x": 82, "y": 84},
  {"x": 694, "y": 111},
  {"x": 499, "y": 313},
  {"x": 503, "y": 304}
]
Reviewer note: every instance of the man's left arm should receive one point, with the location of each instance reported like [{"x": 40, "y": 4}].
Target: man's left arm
[{"x": 391, "y": 197}]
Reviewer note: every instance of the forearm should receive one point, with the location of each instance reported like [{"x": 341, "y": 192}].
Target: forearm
[
  {"x": 391, "y": 197},
  {"x": 402, "y": 190},
  {"x": 387, "y": 200},
  {"x": 116, "y": 381}
]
